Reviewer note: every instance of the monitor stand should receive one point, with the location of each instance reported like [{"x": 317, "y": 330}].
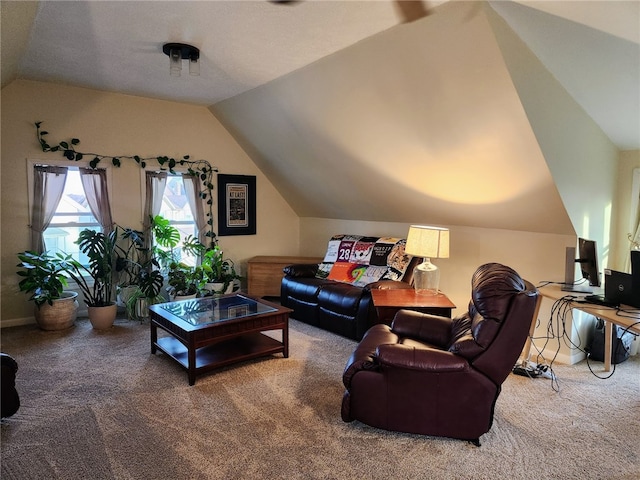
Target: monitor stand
[
  {"x": 576, "y": 288},
  {"x": 569, "y": 284}
]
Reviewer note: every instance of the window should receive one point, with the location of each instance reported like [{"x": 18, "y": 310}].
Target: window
[
  {"x": 72, "y": 216},
  {"x": 175, "y": 208}
]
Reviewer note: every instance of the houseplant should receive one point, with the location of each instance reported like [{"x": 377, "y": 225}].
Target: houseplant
[
  {"x": 146, "y": 292},
  {"x": 43, "y": 277},
  {"x": 130, "y": 253},
  {"x": 100, "y": 249},
  {"x": 184, "y": 280},
  {"x": 167, "y": 238},
  {"x": 220, "y": 272}
]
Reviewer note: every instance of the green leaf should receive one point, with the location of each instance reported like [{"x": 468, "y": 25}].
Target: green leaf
[
  {"x": 115, "y": 161},
  {"x": 44, "y": 133},
  {"x": 78, "y": 156},
  {"x": 64, "y": 145},
  {"x": 94, "y": 163},
  {"x": 186, "y": 157},
  {"x": 70, "y": 154},
  {"x": 75, "y": 141},
  {"x": 143, "y": 164},
  {"x": 172, "y": 163}
]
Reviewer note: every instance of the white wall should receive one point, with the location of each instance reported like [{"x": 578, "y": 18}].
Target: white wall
[
  {"x": 581, "y": 158},
  {"x": 116, "y": 124},
  {"x": 623, "y": 216}
]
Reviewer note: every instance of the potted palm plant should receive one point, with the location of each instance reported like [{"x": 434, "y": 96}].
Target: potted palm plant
[
  {"x": 100, "y": 250},
  {"x": 43, "y": 277}
]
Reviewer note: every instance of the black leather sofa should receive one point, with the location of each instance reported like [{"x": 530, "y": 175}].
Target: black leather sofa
[{"x": 336, "y": 306}]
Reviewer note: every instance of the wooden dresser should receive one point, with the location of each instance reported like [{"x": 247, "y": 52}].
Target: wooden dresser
[{"x": 264, "y": 273}]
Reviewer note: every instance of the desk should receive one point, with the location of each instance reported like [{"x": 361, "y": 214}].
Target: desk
[
  {"x": 388, "y": 302},
  {"x": 608, "y": 315}
]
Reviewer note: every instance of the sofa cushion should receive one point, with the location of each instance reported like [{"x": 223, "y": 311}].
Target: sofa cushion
[{"x": 360, "y": 260}]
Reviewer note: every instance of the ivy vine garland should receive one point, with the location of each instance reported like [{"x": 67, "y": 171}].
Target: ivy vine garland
[{"x": 197, "y": 168}]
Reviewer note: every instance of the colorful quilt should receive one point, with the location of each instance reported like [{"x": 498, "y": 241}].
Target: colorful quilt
[{"x": 361, "y": 260}]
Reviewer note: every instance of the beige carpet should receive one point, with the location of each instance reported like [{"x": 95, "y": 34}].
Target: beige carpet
[{"x": 98, "y": 405}]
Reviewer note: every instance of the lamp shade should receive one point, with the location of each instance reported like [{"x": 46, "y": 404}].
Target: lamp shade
[{"x": 427, "y": 242}]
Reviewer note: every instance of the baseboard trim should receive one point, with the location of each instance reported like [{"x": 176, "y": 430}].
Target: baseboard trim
[
  {"x": 560, "y": 357},
  {"x": 17, "y": 322}
]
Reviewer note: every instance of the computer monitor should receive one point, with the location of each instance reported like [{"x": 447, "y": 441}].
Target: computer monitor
[{"x": 588, "y": 260}]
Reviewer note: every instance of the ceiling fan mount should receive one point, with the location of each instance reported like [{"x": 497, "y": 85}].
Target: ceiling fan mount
[{"x": 409, "y": 10}]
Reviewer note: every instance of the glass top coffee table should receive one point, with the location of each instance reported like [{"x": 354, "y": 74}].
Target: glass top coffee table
[{"x": 211, "y": 332}]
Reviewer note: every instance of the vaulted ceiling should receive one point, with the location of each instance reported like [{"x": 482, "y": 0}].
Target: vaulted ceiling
[{"x": 349, "y": 111}]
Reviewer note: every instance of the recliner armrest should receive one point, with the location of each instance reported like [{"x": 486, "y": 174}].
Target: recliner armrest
[
  {"x": 424, "y": 359},
  {"x": 433, "y": 329},
  {"x": 8, "y": 361},
  {"x": 301, "y": 270},
  {"x": 363, "y": 357}
]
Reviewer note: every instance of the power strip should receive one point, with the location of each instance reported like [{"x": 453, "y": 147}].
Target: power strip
[
  {"x": 525, "y": 371},
  {"x": 533, "y": 370}
]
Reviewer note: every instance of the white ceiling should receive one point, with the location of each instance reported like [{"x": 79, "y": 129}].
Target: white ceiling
[{"x": 592, "y": 47}]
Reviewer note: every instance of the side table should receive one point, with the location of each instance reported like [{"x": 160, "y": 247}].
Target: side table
[
  {"x": 388, "y": 302},
  {"x": 264, "y": 273}
]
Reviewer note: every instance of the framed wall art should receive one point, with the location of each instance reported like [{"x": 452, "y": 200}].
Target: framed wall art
[{"x": 236, "y": 205}]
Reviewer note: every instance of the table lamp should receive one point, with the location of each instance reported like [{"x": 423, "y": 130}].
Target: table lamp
[{"x": 427, "y": 242}]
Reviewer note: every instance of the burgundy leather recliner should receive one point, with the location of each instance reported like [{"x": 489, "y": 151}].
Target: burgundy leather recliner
[{"x": 438, "y": 376}]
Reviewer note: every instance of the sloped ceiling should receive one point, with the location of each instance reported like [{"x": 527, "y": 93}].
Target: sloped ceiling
[
  {"x": 416, "y": 124},
  {"x": 349, "y": 113}
]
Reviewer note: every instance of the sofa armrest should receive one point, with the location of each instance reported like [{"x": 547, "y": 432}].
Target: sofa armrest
[
  {"x": 423, "y": 359},
  {"x": 433, "y": 329},
  {"x": 299, "y": 270}
]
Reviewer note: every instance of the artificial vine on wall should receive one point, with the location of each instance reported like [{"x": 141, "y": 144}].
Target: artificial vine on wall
[{"x": 197, "y": 168}]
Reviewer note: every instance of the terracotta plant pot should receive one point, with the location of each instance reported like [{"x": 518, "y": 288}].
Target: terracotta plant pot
[
  {"x": 102, "y": 318},
  {"x": 60, "y": 315}
]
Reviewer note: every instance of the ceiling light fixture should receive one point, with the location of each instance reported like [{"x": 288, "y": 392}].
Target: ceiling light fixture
[{"x": 181, "y": 51}]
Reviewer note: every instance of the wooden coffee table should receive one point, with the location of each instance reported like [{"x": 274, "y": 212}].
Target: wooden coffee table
[
  {"x": 212, "y": 332},
  {"x": 388, "y": 302}
]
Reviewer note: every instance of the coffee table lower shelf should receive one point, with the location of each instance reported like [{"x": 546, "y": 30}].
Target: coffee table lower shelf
[{"x": 227, "y": 352}]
